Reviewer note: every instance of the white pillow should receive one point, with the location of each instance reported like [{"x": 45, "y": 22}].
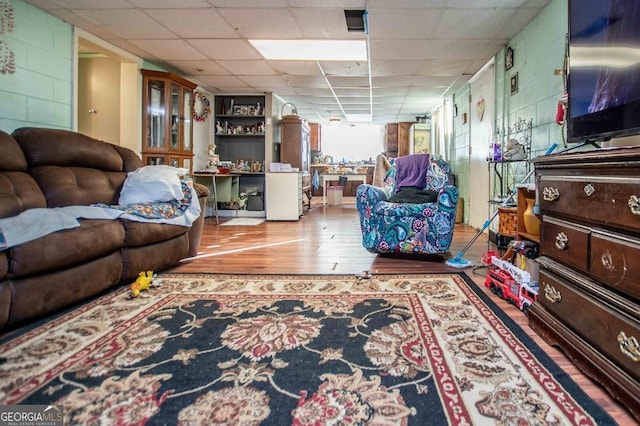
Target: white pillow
[{"x": 151, "y": 184}]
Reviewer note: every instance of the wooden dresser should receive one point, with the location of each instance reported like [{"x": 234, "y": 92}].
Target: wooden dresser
[{"x": 589, "y": 302}]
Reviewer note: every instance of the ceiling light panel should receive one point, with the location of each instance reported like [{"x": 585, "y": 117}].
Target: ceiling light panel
[{"x": 320, "y": 50}]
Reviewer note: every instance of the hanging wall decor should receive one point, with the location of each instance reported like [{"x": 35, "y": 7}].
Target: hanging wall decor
[
  {"x": 480, "y": 107},
  {"x": 514, "y": 84},
  {"x": 7, "y": 23},
  {"x": 508, "y": 59},
  {"x": 201, "y": 106}
]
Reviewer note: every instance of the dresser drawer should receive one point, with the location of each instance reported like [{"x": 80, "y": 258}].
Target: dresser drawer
[
  {"x": 609, "y": 200},
  {"x": 615, "y": 262},
  {"x": 565, "y": 242},
  {"x": 608, "y": 330}
]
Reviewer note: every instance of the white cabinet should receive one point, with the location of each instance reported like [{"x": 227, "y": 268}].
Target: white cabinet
[{"x": 283, "y": 195}]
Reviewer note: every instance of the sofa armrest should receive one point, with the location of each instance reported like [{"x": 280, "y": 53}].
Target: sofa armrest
[
  {"x": 195, "y": 233},
  {"x": 448, "y": 198}
]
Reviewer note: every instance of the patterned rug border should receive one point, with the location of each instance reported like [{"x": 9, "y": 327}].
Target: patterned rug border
[{"x": 573, "y": 389}]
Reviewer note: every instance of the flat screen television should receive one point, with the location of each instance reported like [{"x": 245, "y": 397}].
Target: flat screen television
[{"x": 604, "y": 69}]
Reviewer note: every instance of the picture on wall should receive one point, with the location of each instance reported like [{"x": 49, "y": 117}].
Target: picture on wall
[{"x": 514, "y": 84}]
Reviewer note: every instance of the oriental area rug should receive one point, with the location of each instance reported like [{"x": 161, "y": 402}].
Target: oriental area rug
[{"x": 291, "y": 350}]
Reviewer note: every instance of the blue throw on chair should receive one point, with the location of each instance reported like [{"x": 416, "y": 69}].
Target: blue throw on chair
[{"x": 424, "y": 228}]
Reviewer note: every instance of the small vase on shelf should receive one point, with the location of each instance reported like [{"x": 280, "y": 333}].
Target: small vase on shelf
[{"x": 531, "y": 221}]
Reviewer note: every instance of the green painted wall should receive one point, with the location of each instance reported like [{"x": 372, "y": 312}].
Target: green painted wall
[
  {"x": 39, "y": 92},
  {"x": 539, "y": 51}
]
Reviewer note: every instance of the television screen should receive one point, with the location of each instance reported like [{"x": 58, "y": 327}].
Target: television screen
[{"x": 604, "y": 69}]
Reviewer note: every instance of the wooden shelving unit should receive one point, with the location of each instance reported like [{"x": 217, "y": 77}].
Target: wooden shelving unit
[{"x": 524, "y": 192}]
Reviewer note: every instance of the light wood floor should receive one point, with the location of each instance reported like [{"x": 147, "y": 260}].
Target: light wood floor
[{"x": 327, "y": 240}]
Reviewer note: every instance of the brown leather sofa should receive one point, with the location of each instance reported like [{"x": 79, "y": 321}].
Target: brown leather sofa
[{"x": 45, "y": 168}]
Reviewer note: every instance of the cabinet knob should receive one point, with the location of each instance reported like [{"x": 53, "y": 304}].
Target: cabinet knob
[
  {"x": 629, "y": 346},
  {"x": 551, "y": 294},
  {"x": 550, "y": 194},
  {"x": 562, "y": 241},
  {"x": 634, "y": 204}
]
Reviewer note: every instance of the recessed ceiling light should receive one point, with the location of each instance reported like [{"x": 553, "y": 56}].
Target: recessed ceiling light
[{"x": 312, "y": 50}]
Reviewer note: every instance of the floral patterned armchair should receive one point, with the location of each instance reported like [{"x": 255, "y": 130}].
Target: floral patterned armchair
[{"x": 425, "y": 228}]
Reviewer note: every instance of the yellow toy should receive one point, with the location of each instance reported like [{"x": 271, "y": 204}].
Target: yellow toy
[{"x": 145, "y": 281}]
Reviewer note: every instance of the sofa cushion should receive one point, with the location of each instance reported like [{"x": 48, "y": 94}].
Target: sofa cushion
[
  {"x": 4, "y": 266},
  {"x": 52, "y": 147},
  {"x": 11, "y": 156},
  {"x": 74, "y": 169},
  {"x": 144, "y": 233},
  {"x": 18, "y": 190},
  {"x": 41, "y": 294},
  {"x": 93, "y": 239},
  {"x": 5, "y": 302},
  {"x": 72, "y": 186}
]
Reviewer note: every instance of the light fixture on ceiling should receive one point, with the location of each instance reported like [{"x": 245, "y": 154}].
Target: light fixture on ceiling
[
  {"x": 334, "y": 121},
  {"x": 294, "y": 111},
  {"x": 312, "y": 50}
]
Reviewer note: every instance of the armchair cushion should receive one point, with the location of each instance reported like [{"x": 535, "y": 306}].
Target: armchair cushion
[{"x": 419, "y": 228}]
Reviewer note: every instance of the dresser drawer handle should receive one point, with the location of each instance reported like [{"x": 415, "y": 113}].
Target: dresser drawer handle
[
  {"x": 550, "y": 194},
  {"x": 589, "y": 189},
  {"x": 634, "y": 204},
  {"x": 629, "y": 346},
  {"x": 562, "y": 241},
  {"x": 552, "y": 295}
]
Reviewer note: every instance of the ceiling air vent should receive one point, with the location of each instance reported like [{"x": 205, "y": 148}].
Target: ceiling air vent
[{"x": 355, "y": 20}]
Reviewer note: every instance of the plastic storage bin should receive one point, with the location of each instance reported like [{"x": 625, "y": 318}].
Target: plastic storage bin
[{"x": 334, "y": 195}]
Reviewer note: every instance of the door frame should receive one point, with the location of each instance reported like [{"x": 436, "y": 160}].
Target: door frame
[
  {"x": 481, "y": 132},
  {"x": 130, "y": 87}
]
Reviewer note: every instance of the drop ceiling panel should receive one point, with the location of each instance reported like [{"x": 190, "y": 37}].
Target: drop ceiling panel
[
  {"x": 313, "y": 91},
  {"x": 257, "y": 67},
  {"x": 306, "y": 81},
  {"x": 345, "y": 68},
  {"x": 395, "y": 67},
  {"x": 220, "y": 81},
  {"x": 220, "y": 49},
  {"x": 305, "y": 68},
  {"x": 348, "y": 82},
  {"x": 194, "y": 23},
  {"x": 264, "y": 81},
  {"x": 167, "y": 4},
  {"x": 205, "y": 67},
  {"x": 324, "y": 23},
  {"x": 421, "y": 50},
  {"x": 478, "y": 23},
  {"x": 170, "y": 49},
  {"x": 444, "y": 68},
  {"x": 402, "y": 23},
  {"x": 249, "y": 3},
  {"x": 127, "y": 23},
  {"x": 263, "y": 23}
]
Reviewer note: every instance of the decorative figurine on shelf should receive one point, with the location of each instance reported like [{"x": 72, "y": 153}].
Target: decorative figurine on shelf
[
  {"x": 514, "y": 151},
  {"x": 258, "y": 110},
  {"x": 214, "y": 159},
  {"x": 219, "y": 128}
]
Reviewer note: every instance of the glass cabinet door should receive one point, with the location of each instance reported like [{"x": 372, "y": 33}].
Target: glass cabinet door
[
  {"x": 156, "y": 115},
  {"x": 187, "y": 110},
  {"x": 175, "y": 117}
]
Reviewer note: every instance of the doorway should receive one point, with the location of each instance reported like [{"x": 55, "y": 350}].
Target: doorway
[
  {"x": 481, "y": 129},
  {"x": 107, "y": 93}
]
